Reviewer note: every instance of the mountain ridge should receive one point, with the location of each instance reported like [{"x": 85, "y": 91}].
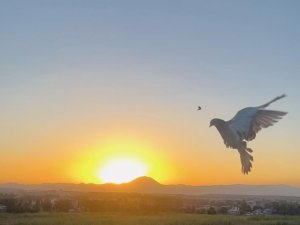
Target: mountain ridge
[{"x": 149, "y": 185}]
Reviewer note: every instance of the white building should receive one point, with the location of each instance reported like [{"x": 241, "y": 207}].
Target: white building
[
  {"x": 234, "y": 211},
  {"x": 3, "y": 208}
]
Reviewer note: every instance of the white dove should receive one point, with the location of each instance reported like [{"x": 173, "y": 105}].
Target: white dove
[{"x": 244, "y": 126}]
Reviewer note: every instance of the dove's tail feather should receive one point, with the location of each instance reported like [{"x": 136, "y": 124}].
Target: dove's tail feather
[
  {"x": 274, "y": 100},
  {"x": 246, "y": 159}
]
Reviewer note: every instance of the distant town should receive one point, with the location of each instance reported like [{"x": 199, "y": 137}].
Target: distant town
[
  {"x": 145, "y": 195},
  {"x": 17, "y": 201}
]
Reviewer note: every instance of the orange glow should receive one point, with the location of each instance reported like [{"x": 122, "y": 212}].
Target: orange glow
[{"x": 119, "y": 160}]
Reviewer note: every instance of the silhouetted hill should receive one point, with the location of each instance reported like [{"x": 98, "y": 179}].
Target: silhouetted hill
[
  {"x": 149, "y": 185},
  {"x": 144, "y": 181}
]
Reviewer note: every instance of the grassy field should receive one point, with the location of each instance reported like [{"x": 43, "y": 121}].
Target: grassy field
[{"x": 130, "y": 219}]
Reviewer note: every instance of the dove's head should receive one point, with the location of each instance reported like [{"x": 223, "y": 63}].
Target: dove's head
[{"x": 216, "y": 122}]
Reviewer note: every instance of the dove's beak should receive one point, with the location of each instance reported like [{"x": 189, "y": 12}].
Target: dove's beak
[{"x": 210, "y": 125}]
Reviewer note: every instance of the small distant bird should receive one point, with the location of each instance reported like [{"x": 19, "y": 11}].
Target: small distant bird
[
  {"x": 199, "y": 108},
  {"x": 244, "y": 126}
]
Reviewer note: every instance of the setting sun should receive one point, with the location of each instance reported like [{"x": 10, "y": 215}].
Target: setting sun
[{"x": 122, "y": 170}]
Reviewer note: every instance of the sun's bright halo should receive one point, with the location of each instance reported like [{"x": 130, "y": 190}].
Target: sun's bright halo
[{"x": 121, "y": 170}]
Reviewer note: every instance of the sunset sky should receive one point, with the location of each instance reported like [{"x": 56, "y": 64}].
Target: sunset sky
[{"x": 87, "y": 86}]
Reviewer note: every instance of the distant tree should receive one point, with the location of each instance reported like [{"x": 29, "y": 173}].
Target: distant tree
[
  {"x": 244, "y": 207},
  {"x": 201, "y": 211},
  {"x": 63, "y": 205},
  {"x": 223, "y": 210},
  {"x": 190, "y": 209},
  {"x": 46, "y": 206},
  {"x": 288, "y": 208},
  {"x": 211, "y": 210}
]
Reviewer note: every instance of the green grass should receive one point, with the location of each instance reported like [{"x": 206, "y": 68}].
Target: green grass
[{"x": 149, "y": 219}]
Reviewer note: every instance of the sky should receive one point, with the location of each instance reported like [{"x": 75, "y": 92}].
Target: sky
[{"x": 84, "y": 84}]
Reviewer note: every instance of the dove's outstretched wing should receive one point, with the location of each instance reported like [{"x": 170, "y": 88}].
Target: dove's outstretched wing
[
  {"x": 247, "y": 122},
  {"x": 264, "y": 119}
]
